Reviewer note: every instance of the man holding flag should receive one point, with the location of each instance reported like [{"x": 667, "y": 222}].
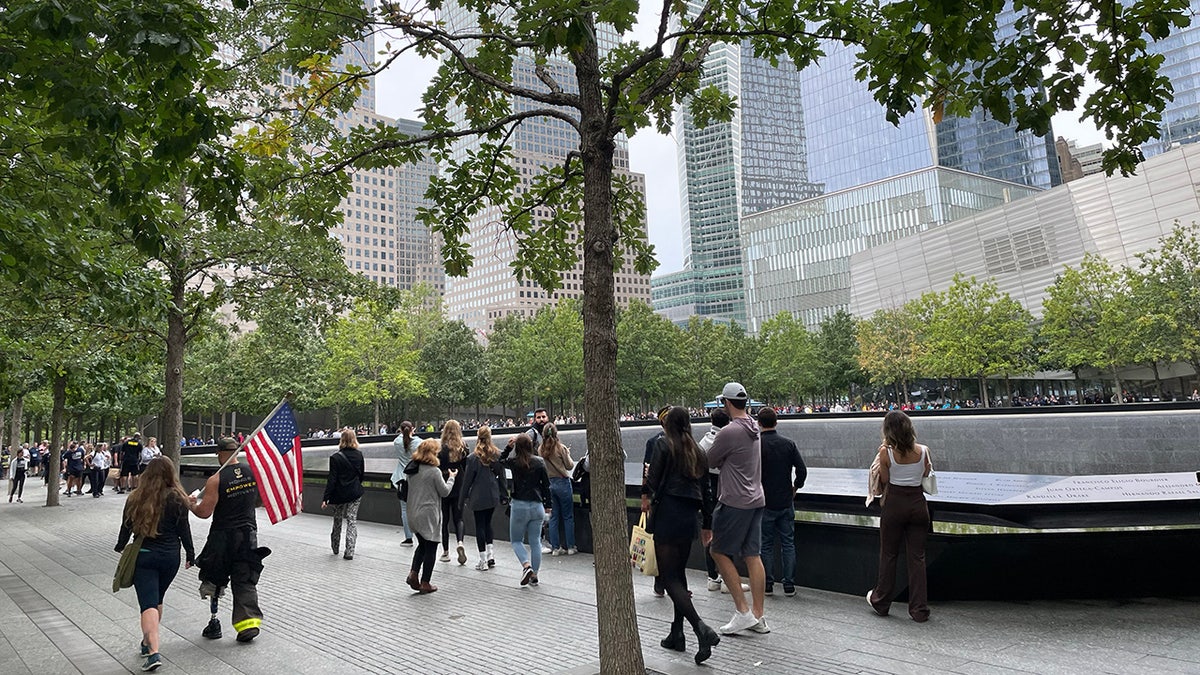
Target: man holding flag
[{"x": 231, "y": 556}]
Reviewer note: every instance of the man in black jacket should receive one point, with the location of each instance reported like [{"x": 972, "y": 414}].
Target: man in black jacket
[{"x": 779, "y": 457}]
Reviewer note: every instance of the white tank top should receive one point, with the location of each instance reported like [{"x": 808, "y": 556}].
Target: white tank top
[{"x": 907, "y": 475}]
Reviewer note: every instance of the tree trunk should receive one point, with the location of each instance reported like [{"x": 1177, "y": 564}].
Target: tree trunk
[
  {"x": 376, "y": 428},
  {"x": 619, "y": 638},
  {"x": 1158, "y": 385},
  {"x": 56, "y": 434},
  {"x": 1118, "y": 396},
  {"x": 18, "y": 410},
  {"x": 1008, "y": 389},
  {"x": 983, "y": 393},
  {"x": 1078, "y": 387},
  {"x": 172, "y": 417}
]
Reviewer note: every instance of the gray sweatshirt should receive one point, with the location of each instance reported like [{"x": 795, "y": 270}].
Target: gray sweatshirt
[{"x": 736, "y": 452}]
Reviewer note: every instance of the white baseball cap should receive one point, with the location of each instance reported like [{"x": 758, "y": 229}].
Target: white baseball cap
[{"x": 733, "y": 391}]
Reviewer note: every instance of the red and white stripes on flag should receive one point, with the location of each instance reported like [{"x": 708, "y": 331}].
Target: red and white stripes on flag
[{"x": 274, "y": 456}]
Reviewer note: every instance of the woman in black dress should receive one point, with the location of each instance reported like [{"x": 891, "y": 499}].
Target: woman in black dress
[{"x": 680, "y": 507}]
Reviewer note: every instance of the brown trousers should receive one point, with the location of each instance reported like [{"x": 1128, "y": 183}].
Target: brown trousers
[{"x": 905, "y": 519}]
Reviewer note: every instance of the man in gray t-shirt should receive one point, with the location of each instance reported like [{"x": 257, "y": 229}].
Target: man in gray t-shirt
[{"x": 737, "y": 521}]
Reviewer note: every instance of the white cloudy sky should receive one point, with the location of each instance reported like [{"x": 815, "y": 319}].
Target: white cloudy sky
[{"x": 398, "y": 94}]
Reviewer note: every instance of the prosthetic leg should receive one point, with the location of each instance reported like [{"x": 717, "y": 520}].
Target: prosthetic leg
[{"x": 207, "y": 590}]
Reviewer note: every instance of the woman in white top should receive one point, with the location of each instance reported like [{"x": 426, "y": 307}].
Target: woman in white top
[
  {"x": 905, "y": 516},
  {"x": 405, "y": 444}
]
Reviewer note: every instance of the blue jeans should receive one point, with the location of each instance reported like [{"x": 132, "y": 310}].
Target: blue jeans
[
  {"x": 525, "y": 522},
  {"x": 408, "y": 533},
  {"x": 779, "y": 523},
  {"x": 562, "y": 504}
]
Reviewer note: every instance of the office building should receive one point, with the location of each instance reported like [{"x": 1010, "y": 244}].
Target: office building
[
  {"x": 1181, "y": 65},
  {"x": 798, "y": 256},
  {"x": 1023, "y": 245}
]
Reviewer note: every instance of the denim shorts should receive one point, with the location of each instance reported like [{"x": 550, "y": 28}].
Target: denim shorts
[{"x": 737, "y": 533}]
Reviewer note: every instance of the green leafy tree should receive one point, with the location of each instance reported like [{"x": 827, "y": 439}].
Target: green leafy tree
[
  {"x": 371, "y": 358},
  {"x": 556, "y": 336},
  {"x": 1086, "y": 319},
  {"x": 1169, "y": 288},
  {"x": 890, "y": 348},
  {"x": 649, "y": 369},
  {"x": 974, "y": 330},
  {"x": 836, "y": 355},
  {"x": 787, "y": 359},
  {"x": 1154, "y": 334},
  {"x": 511, "y": 364},
  {"x": 452, "y": 367},
  {"x": 703, "y": 358}
]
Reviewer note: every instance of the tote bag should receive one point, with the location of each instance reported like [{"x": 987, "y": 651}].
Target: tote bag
[
  {"x": 124, "y": 575},
  {"x": 641, "y": 549}
]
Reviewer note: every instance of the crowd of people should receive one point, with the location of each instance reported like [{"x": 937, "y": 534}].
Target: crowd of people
[{"x": 82, "y": 463}]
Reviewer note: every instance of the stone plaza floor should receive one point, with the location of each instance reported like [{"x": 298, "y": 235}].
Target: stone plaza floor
[{"x": 328, "y": 615}]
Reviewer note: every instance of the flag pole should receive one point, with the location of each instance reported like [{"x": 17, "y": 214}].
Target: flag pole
[{"x": 286, "y": 397}]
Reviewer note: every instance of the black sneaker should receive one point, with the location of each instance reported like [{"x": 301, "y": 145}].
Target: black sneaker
[
  {"x": 526, "y": 576},
  {"x": 789, "y": 590},
  {"x": 248, "y": 634},
  {"x": 213, "y": 630},
  {"x": 770, "y": 589},
  {"x": 153, "y": 661}
]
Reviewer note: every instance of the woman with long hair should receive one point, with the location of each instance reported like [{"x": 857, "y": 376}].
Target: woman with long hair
[
  {"x": 558, "y": 466},
  {"x": 405, "y": 444},
  {"x": 484, "y": 487},
  {"x": 905, "y": 516},
  {"x": 453, "y": 457},
  {"x": 530, "y": 504},
  {"x": 680, "y": 508},
  {"x": 426, "y": 490},
  {"x": 344, "y": 491},
  {"x": 158, "y": 512},
  {"x": 17, "y": 466}
]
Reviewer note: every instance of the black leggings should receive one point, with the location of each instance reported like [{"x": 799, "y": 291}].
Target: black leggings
[
  {"x": 152, "y": 575},
  {"x": 451, "y": 509},
  {"x": 18, "y": 484},
  {"x": 672, "y": 570},
  {"x": 424, "y": 557},
  {"x": 483, "y": 528}
]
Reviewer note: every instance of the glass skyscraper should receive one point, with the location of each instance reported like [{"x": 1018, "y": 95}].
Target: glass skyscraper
[
  {"x": 1181, "y": 65},
  {"x": 801, "y": 134}
]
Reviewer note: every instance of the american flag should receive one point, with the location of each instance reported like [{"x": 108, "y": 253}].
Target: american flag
[{"x": 274, "y": 456}]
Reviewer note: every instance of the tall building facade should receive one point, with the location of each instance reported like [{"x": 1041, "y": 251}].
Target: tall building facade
[
  {"x": 490, "y": 291},
  {"x": 822, "y": 132},
  {"x": 729, "y": 170},
  {"x": 1181, "y": 65}
]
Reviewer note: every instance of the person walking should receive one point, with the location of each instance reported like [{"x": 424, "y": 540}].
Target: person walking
[
  {"x": 404, "y": 445},
  {"x": 426, "y": 492},
  {"x": 780, "y": 458},
  {"x": 647, "y": 458},
  {"x": 18, "y": 464},
  {"x": 737, "y": 520},
  {"x": 100, "y": 464},
  {"x": 679, "y": 498},
  {"x": 562, "y": 501},
  {"x": 159, "y": 514},
  {"x": 905, "y": 516},
  {"x": 529, "y": 507},
  {"x": 344, "y": 491},
  {"x": 231, "y": 556},
  {"x": 484, "y": 487},
  {"x": 452, "y": 457}
]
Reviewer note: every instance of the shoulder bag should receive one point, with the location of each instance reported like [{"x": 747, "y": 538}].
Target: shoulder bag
[
  {"x": 123, "y": 578},
  {"x": 929, "y": 483}
]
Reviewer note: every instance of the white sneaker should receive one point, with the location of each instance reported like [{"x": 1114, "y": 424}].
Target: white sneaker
[
  {"x": 740, "y": 622},
  {"x": 559, "y": 551},
  {"x": 714, "y": 584},
  {"x": 572, "y": 551},
  {"x": 745, "y": 588},
  {"x": 445, "y": 557},
  {"x": 482, "y": 566},
  {"x": 462, "y": 555},
  {"x": 761, "y": 626},
  {"x": 547, "y": 550}
]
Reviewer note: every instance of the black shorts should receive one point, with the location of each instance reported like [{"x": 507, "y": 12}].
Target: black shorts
[
  {"x": 130, "y": 470},
  {"x": 74, "y": 473}
]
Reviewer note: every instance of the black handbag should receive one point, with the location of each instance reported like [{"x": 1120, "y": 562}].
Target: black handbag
[{"x": 402, "y": 491}]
